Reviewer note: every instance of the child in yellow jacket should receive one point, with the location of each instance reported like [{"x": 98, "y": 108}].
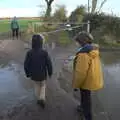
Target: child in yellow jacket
[{"x": 87, "y": 73}]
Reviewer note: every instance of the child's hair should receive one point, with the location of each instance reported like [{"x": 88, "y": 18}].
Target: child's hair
[{"x": 84, "y": 36}]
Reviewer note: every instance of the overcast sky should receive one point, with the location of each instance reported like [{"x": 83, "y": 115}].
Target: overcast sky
[{"x": 29, "y": 8}]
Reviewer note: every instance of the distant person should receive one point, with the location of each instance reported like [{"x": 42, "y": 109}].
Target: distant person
[
  {"x": 38, "y": 66},
  {"x": 87, "y": 75},
  {"x": 15, "y": 28}
]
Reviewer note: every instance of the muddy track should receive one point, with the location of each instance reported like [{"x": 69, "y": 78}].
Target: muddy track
[{"x": 21, "y": 104}]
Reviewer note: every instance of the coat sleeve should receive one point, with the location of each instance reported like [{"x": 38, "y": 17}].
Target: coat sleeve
[
  {"x": 11, "y": 24},
  {"x": 49, "y": 65},
  {"x": 27, "y": 64},
  {"x": 81, "y": 70},
  {"x": 18, "y": 25}
]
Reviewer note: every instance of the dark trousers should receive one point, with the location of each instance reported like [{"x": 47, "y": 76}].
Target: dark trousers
[
  {"x": 86, "y": 103},
  {"x": 15, "y": 33}
]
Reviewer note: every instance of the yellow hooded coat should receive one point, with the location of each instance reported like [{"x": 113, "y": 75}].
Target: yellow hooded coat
[{"x": 87, "y": 72}]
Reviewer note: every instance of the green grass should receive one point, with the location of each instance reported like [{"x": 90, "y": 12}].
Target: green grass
[{"x": 5, "y": 24}]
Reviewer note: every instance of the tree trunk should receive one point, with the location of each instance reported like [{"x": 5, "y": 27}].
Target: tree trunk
[
  {"x": 49, "y": 8},
  {"x": 48, "y": 11},
  {"x": 94, "y": 5}
]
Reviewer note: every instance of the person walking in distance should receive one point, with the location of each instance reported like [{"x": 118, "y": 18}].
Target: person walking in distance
[
  {"x": 15, "y": 28},
  {"x": 87, "y": 73},
  {"x": 38, "y": 67}
]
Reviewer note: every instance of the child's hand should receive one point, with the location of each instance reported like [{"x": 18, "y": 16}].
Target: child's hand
[
  {"x": 75, "y": 90},
  {"x": 27, "y": 78},
  {"x": 28, "y": 75}
]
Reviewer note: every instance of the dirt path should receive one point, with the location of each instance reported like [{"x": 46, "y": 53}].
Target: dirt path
[
  {"x": 57, "y": 102},
  {"x": 22, "y": 104}
]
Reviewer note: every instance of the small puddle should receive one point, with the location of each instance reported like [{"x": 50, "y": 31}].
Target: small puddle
[
  {"x": 13, "y": 85},
  {"x": 8, "y": 78}
]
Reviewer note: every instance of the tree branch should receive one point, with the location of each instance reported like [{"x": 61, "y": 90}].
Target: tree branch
[
  {"x": 94, "y": 5},
  {"x": 50, "y": 1},
  {"x": 47, "y": 1},
  {"x": 103, "y": 2},
  {"x": 49, "y": 7}
]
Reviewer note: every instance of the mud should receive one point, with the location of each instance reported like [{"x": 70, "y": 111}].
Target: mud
[{"x": 17, "y": 99}]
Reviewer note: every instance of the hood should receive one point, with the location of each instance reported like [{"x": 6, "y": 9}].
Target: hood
[
  {"x": 95, "y": 52},
  {"x": 91, "y": 49},
  {"x": 37, "y": 42},
  {"x": 85, "y": 48}
]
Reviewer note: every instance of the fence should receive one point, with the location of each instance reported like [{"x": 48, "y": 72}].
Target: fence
[
  {"x": 57, "y": 33},
  {"x": 57, "y": 27}
]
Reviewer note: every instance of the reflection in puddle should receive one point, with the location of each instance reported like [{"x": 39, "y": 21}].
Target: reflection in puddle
[
  {"x": 12, "y": 79},
  {"x": 13, "y": 85},
  {"x": 110, "y": 96}
]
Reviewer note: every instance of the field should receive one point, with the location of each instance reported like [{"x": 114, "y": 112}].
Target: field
[
  {"x": 5, "y": 24},
  {"x": 5, "y": 27}
]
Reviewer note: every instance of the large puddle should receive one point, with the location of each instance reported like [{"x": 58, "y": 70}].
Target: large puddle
[{"x": 15, "y": 86}]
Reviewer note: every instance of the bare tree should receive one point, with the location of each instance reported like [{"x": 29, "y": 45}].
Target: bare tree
[
  {"x": 103, "y": 2},
  {"x": 49, "y": 7},
  {"x": 95, "y": 4}
]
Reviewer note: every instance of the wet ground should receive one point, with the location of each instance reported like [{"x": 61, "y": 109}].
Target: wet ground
[
  {"x": 105, "y": 102},
  {"x": 17, "y": 100},
  {"x": 109, "y": 96}
]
